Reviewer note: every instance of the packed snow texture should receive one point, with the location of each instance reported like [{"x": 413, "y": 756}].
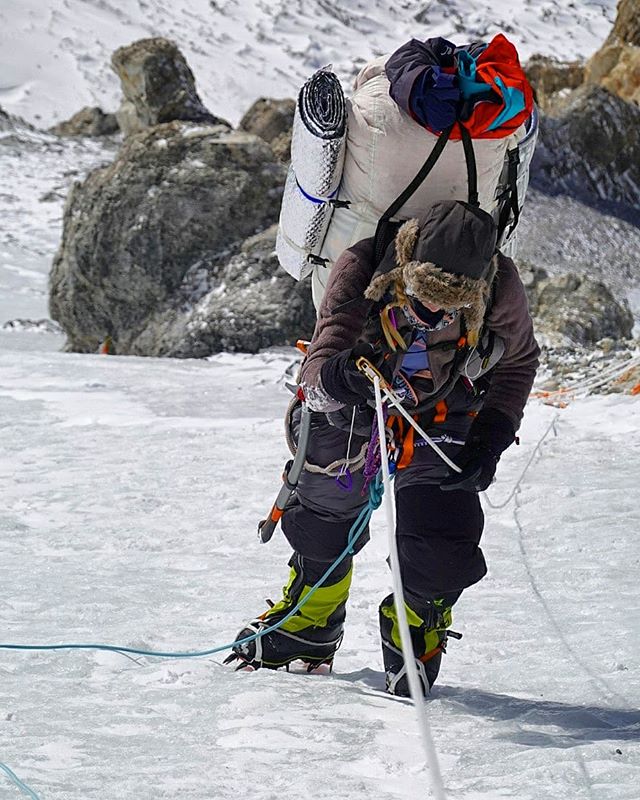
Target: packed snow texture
[
  {"x": 131, "y": 493},
  {"x": 54, "y": 56}
]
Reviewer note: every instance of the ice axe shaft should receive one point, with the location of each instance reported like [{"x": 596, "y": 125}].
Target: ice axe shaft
[{"x": 290, "y": 477}]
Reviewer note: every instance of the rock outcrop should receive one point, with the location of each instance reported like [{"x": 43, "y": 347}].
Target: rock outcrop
[
  {"x": 591, "y": 149},
  {"x": 158, "y": 86},
  {"x": 574, "y": 309},
  {"x": 87, "y": 122},
  {"x": 616, "y": 66},
  {"x": 552, "y": 78},
  {"x": 272, "y": 120},
  {"x": 246, "y": 303},
  {"x": 178, "y": 202}
]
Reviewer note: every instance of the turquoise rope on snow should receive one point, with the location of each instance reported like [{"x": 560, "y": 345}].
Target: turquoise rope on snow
[
  {"x": 15, "y": 779},
  {"x": 357, "y": 529}
]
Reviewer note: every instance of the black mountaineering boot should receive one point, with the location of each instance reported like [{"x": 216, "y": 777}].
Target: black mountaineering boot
[
  {"x": 428, "y": 626},
  {"x": 279, "y": 648},
  {"x": 312, "y": 634}
]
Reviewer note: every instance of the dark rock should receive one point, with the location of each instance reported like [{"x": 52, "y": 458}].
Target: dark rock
[
  {"x": 152, "y": 249},
  {"x": 272, "y": 120},
  {"x": 158, "y": 87},
  {"x": 591, "y": 149},
  {"x": 87, "y": 122},
  {"x": 252, "y": 305},
  {"x": 575, "y": 308}
]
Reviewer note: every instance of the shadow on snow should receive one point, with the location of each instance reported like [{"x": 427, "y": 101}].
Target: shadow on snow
[{"x": 574, "y": 724}]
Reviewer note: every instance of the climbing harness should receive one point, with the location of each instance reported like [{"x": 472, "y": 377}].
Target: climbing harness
[{"x": 367, "y": 369}]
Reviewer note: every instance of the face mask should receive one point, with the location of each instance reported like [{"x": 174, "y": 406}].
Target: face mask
[{"x": 422, "y": 317}]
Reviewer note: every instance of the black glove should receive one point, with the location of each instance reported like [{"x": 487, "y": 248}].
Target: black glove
[
  {"x": 343, "y": 380},
  {"x": 490, "y": 435}
]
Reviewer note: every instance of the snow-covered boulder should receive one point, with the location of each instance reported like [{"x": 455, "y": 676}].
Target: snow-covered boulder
[
  {"x": 158, "y": 86},
  {"x": 591, "y": 148},
  {"x": 89, "y": 121},
  {"x": 147, "y": 238}
]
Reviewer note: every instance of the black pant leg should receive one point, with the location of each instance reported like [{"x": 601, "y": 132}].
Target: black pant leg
[
  {"x": 317, "y": 522},
  {"x": 438, "y": 541}
]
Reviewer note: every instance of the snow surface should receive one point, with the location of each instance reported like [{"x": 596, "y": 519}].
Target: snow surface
[
  {"x": 131, "y": 492},
  {"x": 54, "y": 56}
]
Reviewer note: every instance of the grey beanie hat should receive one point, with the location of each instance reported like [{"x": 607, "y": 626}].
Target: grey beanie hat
[{"x": 445, "y": 258}]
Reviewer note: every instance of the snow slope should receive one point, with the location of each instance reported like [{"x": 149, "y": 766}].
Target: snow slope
[
  {"x": 131, "y": 491},
  {"x": 54, "y": 56}
]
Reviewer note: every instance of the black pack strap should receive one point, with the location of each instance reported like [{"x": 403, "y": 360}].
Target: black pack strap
[
  {"x": 472, "y": 169},
  {"x": 512, "y": 205},
  {"x": 483, "y": 351},
  {"x": 434, "y": 155},
  {"x": 449, "y": 385},
  {"x": 317, "y": 261}
]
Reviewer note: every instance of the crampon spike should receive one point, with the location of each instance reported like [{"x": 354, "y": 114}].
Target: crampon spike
[
  {"x": 243, "y": 665},
  {"x": 315, "y": 667}
]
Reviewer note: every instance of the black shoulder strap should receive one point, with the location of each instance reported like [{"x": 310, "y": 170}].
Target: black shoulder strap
[
  {"x": 381, "y": 237},
  {"x": 434, "y": 155},
  {"x": 512, "y": 205},
  {"x": 472, "y": 169}
]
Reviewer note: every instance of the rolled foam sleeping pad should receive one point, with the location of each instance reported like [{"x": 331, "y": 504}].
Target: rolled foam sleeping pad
[{"x": 317, "y": 159}]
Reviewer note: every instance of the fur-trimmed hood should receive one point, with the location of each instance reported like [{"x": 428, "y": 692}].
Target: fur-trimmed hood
[{"x": 446, "y": 258}]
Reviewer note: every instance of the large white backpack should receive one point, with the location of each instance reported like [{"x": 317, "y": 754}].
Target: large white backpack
[{"x": 384, "y": 150}]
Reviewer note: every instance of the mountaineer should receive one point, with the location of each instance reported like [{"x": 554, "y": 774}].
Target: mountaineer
[{"x": 443, "y": 316}]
